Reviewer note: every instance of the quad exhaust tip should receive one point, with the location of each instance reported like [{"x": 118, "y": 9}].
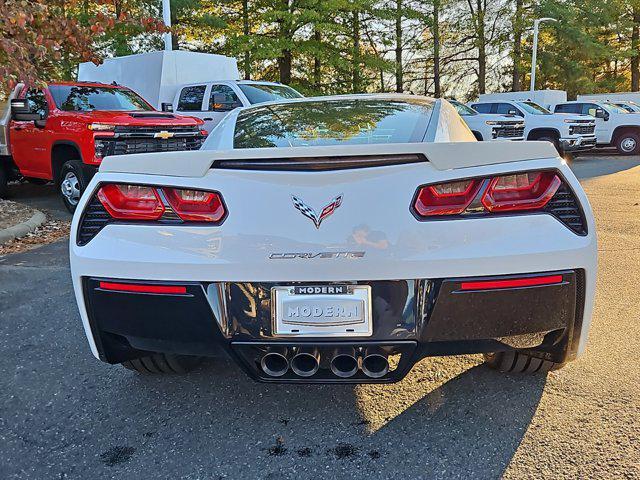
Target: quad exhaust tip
[
  {"x": 344, "y": 364},
  {"x": 274, "y": 364},
  {"x": 375, "y": 365},
  {"x": 305, "y": 364}
]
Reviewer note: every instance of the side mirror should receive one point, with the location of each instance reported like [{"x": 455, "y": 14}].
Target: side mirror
[
  {"x": 20, "y": 111},
  {"x": 600, "y": 113},
  {"x": 222, "y": 104},
  {"x": 166, "y": 107},
  {"x": 512, "y": 112}
]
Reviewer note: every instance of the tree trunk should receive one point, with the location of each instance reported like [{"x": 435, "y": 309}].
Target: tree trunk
[
  {"x": 436, "y": 50},
  {"x": 355, "y": 87},
  {"x": 284, "y": 65},
  {"x": 482, "y": 48},
  {"x": 245, "y": 32},
  {"x": 635, "y": 50},
  {"x": 518, "y": 22},
  {"x": 317, "y": 80},
  {"x": 399, "y": 72}
]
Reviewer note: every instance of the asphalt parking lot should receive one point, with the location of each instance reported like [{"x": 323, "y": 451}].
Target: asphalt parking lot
[{"x": 65, "y": 415}]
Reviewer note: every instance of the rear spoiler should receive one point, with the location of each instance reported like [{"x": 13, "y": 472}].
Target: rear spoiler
[{"x": 443, "y": 156}]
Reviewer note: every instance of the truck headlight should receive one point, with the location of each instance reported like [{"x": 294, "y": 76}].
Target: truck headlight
[
  {"x": 492, "y": 122},
  {"x": 101, "y": 127}
]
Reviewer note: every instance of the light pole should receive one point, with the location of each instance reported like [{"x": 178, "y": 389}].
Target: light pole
[
  {"x": 534, "y": 58},
  {"x": 166, "y": 18}
]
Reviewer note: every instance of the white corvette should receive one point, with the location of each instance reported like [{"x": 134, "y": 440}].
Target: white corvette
[{"x": 337, "y": 239}]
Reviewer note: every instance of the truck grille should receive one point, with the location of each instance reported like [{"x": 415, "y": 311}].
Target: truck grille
[
  {"x": 141, "y": 130},
  {"x": 124, "y": 146},
  {"x": 582, "y": 129},
  {"x": 509, "y": 131}
]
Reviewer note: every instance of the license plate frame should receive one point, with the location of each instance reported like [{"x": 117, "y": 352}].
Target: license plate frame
[{"x": 323, "y": 313}]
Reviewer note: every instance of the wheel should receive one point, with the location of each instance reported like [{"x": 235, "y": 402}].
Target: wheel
[
  {"x": 4, "y": 180},
  {"x": 518, "y": 362},
  {"x": 551, "y": 140},
  {"x": 628, "y": 143},
  {"x": 163, "y": 363},
  {"x": 72, "y": 183}
]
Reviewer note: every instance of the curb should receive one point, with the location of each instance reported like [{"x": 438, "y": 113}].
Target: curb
[{"x": 23, "y": 228}]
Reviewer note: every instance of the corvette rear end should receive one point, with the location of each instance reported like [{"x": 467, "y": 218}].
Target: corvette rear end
[{"x": 336, "y": 263}]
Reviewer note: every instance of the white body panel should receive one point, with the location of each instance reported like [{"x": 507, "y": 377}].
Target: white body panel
[
  {"x": 610, "y": 97},
  {"x": 157, "y": 75},
  {"x": 374, "y": 218}
]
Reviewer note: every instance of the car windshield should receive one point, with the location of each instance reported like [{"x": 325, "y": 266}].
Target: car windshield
[
  {"x": 345, "y": 121},
  {"x": 611, "y": 108},
  {"x": 463, "y": 109},
  {"x": 629, "y": 107},
  {"x": 533, "y": 108},
  {"x": 260, "y": 92},
  {"x": 87, "y": 98}
]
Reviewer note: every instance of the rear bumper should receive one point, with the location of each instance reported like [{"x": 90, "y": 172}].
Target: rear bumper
[{"x": 411, "y": 319}]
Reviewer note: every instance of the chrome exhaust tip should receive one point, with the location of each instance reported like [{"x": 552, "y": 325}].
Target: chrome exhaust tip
[
  {"x": 274, "y": 364},
  {"x": 344, "y": 364},
  {"x": 375, "y": 365},
  {"x": 305, "y": 363}
]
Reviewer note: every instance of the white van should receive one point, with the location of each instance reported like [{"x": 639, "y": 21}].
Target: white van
[{"x": 211, "y": 101}]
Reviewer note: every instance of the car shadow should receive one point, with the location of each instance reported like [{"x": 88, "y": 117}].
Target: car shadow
[{"x": 471, "y": 423}]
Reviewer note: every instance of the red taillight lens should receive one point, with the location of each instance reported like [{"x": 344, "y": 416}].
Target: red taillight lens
[
  {"x": 195, "y": 205},
  {"x": 521, "y": 191},
  {"x": 450, "y": 198},
  {"x": 131, "y": 202}
]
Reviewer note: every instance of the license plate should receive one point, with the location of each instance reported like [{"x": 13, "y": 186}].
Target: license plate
[{"x": 322, "y": 310}]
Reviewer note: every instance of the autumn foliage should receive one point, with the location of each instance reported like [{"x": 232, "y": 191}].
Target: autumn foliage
[{"x": 37, "y": 36}]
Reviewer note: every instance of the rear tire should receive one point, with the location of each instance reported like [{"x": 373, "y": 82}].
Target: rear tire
[
  {"x": 71, "y": 183},
  {"x": 628, "y": 143},
  {"x": 163, "y": 363},
  {"x": 518, "y": 362}
]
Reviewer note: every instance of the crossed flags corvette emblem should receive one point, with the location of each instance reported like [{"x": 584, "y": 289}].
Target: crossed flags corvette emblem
[{"x": 310, "y": 213}]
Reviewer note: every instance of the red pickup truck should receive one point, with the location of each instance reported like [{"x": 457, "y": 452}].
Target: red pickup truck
[{"x": 61, "y": 133}]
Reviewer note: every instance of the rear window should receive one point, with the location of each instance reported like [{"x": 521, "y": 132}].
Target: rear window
[
  {"x": 86, "y": 99},
  {"x": 260, "y": 93},
  {"x": 333, "y": 122}
]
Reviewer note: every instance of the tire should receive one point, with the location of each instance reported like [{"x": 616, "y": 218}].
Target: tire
[
  {"x": 4, "y": 181},
  {"x": 551, "y": 140},
  {"x": 518, "y": 362},
  {"x": 628, "y": 143},
  {"x": 163, "y": 363},
  {"x": 71, "y": 183}
]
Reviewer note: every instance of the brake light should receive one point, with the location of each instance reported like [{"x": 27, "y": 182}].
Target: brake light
[
  {"x": 195, "y": 205},
  {"x": 512, "y": 283},
  {"x": 506, "y": 193},
  {"x": 131, "y": 202},
  {"x": 143, "y": 288},
  {"x": 450, "y": 198},
  {"x": 522, "y": 191}
]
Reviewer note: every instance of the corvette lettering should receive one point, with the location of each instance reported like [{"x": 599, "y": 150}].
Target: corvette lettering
[{"x": 311, "y": 255}]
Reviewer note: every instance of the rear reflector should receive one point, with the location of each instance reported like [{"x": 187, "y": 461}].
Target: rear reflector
[
  {"x": 142, "y": 288},
  {"x": 511, "y": 283}
]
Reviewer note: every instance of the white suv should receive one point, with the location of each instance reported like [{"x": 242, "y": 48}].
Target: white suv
[
  {"x": 569, "y": 133},
  {"x": 487, "y": 127}
]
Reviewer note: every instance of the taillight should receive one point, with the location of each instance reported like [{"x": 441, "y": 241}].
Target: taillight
[
  {"x": 505, "y": 193},
  {"x": 195, "y": 205},
  {"x": 131, "y": 202},
  {"x": 520, "y": 191},
  {"x": 143, "y": 202},
  {"x": 450, "y": 198}
]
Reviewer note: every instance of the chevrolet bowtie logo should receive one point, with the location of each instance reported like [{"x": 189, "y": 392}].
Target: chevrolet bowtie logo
[{"x": 163, "y": 135}]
